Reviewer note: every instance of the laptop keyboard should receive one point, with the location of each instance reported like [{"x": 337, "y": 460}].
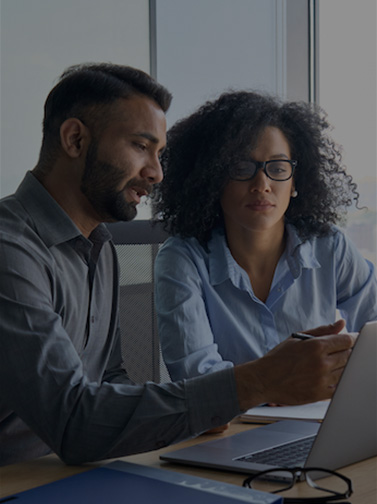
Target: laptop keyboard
[{"x": 288, "y": 455}]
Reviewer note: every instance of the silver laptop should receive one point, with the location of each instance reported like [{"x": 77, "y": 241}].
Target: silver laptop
[{"x": 347, "y": 434}]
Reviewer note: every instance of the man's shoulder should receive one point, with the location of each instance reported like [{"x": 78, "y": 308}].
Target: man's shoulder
[
  {"x": 19, "y": 235},
  {"x": 14, "y": 219}
]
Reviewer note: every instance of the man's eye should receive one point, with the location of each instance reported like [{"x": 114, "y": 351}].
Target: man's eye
[{"x": 140, "y": 146}]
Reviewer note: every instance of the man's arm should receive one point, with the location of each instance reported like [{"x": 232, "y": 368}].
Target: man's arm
[
  {"x": 49, "y": 380},
  {"x": 44, "y": 381}
]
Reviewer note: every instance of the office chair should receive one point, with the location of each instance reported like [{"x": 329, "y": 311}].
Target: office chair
[{"x": 137, "y": 244}]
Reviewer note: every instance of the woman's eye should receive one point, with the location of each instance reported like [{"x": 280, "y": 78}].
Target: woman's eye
[{"x": 278, "y": 167}]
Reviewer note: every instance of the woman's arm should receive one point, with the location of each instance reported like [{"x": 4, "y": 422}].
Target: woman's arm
[
  {"x": 356, "y": 284},
  {"x": 187, "y": 341}
]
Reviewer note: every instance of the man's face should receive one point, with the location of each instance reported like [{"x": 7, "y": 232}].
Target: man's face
[{"x": 122, "y": 163}]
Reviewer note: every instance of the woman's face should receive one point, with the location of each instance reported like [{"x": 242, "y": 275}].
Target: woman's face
[{"x": 259, "y": 204}]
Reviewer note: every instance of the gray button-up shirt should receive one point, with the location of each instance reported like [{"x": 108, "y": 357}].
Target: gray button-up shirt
[{"x": 62, "y": 385}]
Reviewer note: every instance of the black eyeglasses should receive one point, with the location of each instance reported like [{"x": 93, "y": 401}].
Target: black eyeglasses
[
  {"x": 276, "y": 169},
  {"x": 337, "y": 488}
]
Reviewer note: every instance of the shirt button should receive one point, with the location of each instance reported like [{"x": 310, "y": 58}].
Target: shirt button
[
  {"x": 92, "y": 319},
  {"x": 160, "y": 444}
]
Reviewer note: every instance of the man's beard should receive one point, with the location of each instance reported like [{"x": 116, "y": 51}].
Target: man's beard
[{"x": 99, "y": 184}]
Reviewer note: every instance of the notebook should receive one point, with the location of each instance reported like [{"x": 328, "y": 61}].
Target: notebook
[
  {"x": 314, "y": 412},
  {"x": 133, "y": 483},
  {"x": 347, "y": 434}
]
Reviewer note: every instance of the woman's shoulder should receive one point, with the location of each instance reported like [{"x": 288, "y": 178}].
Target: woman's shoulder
[
  {"x": 333, "y": 234},
  {"x": 337, "y": 242},
  {"x": 190, "y": 243},
  {"x": 178, "y": 248},
  {"x": 181, "y": 250},
  {"x": 178, "y": 242},
  {"x": 334, "y": 237},
  {"x": 334, "y": 243}
]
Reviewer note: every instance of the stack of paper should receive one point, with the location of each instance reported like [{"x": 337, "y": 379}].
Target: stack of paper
[{"x": 313, "y": 412}]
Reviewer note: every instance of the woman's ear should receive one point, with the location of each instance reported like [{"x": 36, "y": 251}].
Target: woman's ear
[
  {"x": 294, "y": 192},
  {"x": 73, "y": 137}
]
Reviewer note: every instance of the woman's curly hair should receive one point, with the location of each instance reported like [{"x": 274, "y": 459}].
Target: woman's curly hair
[{"x": 202, "y": 146}]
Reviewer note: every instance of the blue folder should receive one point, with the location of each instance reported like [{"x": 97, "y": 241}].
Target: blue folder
[{"x": 123, "y": 482}]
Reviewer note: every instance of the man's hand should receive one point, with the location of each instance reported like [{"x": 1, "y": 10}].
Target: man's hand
[
  {"x": 296, "y": 372},
  {"x": 218, "y": 430}
]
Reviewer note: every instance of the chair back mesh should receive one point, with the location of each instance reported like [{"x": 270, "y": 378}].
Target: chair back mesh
[{"x": 137, "y": 244}]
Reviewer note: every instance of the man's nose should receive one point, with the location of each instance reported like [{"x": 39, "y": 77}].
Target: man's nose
[{"x": 153, "y": 172}]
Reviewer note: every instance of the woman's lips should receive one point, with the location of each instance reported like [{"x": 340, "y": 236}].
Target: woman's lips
[{"x": 260, "y": 205}]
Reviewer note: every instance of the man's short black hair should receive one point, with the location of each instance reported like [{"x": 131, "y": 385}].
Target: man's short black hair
[{"x": 84, "y": 90}]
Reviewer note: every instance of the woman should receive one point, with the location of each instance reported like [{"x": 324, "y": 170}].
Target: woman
[{"x": 252, "y": 191}]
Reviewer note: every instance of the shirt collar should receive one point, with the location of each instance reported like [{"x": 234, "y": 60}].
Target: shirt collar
[
  {"x": 300, "y": 254},
  {"x": 53, "y": 225},
  {"x": 222, "y": 266}
]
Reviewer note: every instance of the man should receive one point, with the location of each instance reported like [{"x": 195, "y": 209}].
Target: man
[{"x": 62, "y": 386}]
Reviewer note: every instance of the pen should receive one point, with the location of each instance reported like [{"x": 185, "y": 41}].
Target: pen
[{"x": 302, "y": 336}]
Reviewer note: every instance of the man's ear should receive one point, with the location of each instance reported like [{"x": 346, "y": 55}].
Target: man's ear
[{"x": 74, "y": 136}]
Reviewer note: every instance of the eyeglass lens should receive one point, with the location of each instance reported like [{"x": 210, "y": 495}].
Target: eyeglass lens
[
  {"x": 322, "y": 485},
  {"x": 276, "y": 170}
]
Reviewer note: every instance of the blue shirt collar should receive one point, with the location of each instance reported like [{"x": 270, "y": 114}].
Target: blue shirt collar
[
  {"x": 222, "y": 266},
  {"x": 299, "y": 253}
]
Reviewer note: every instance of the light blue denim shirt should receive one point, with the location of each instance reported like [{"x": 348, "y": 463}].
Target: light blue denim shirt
[{"x": 209, "y": 317}]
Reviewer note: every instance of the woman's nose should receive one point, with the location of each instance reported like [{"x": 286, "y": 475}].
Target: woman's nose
[{"x": 260, "y": 182}]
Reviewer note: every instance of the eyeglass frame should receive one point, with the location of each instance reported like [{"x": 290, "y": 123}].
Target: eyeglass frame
[
  {"x": 296, "y": 472},
  {"x": 263, "y": 165}
]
